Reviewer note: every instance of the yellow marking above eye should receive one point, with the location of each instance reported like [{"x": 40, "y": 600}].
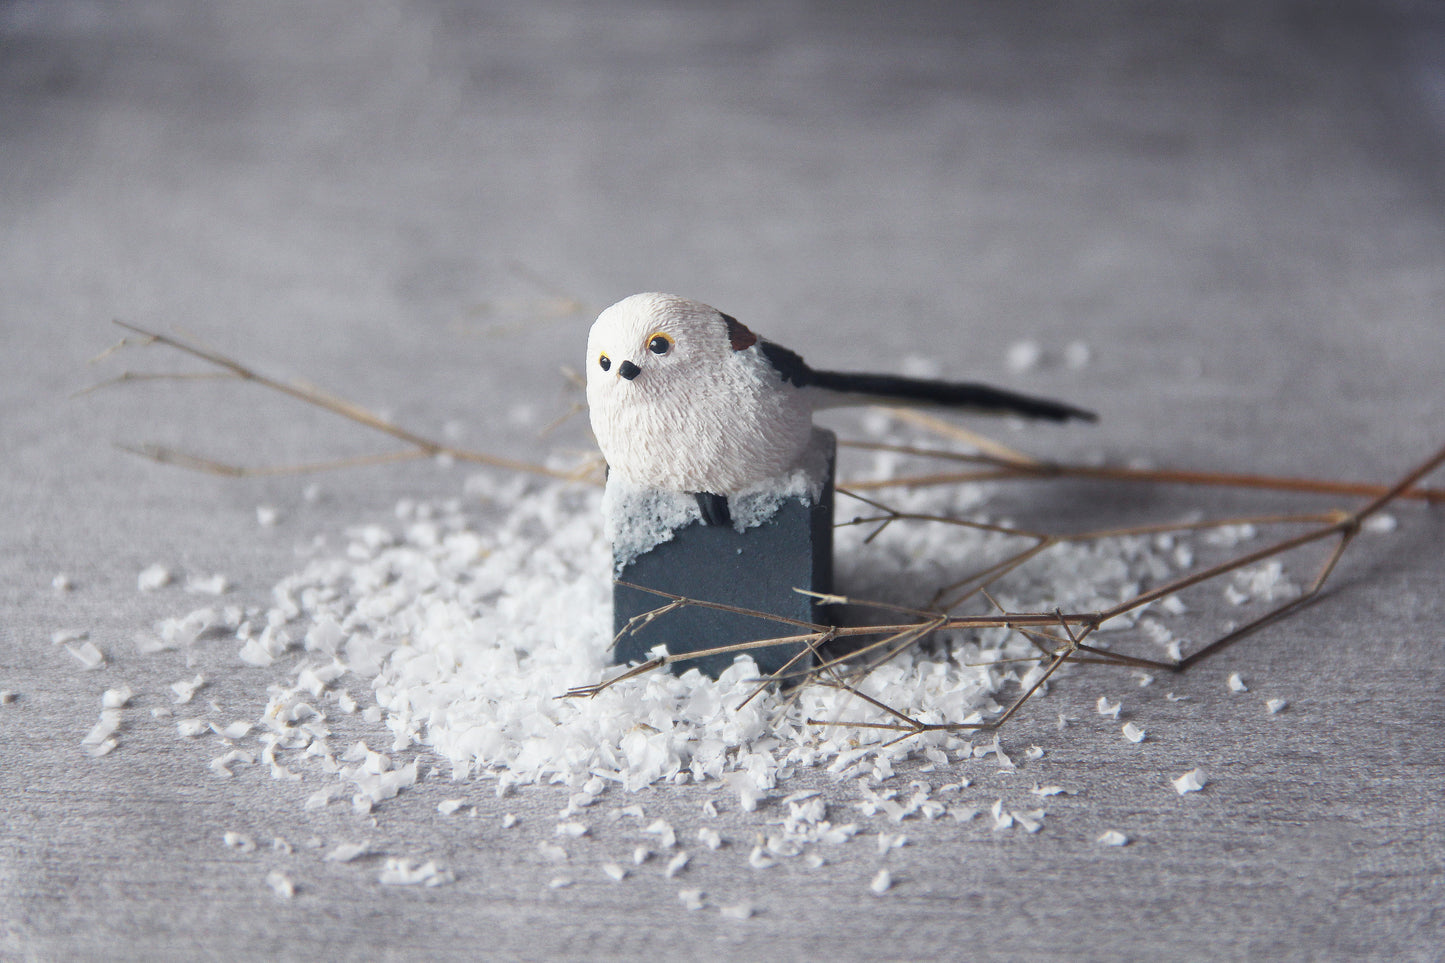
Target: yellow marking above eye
[
  {"x": 659, "y": 343},
  {"x": 604, "y": 362}
]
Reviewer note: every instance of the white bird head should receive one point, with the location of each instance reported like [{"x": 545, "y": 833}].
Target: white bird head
[{"x": 650, "y": 345}]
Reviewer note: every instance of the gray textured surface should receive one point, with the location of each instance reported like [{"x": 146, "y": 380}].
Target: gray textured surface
[{"x": 1238, "y": 206}]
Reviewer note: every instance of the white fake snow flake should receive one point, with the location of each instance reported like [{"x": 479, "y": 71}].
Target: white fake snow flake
[
  {"x": 882, "y": 882},
  {"x": 448, "y": 806},
  {"x": 614, "y": 872},
  {"x": 254, "y": 653},
  {"x": 62, "y": 582},
  {"x": 1023, "y": 356},
  {"x": 1275, "y": 706},
  {"x": 1107, "y": 708},
  {"x": 1032, "y": 820},
  {"x": 709, "y": 837},
  {"x": 280, "y": 884},
  {"x": 1192, "y": 781},
  {"x": 676, "y": 865},
  {"x": 739, "y": 911},
  {"x": 1236, "y": 684},
  {"x": 666, "y": 836},
  {"x": 1133, "y": 733},
  {"x": 185, "y": 690},
  {"x": 152, "y": 578},
  {"x": 1113, "y": 838},
  {"x": 240, "y": 842},
  {"x": 1380, "y": 522},
  {"x": 116, "y": 698},
  {"x": 221, "y": 765},
  {"x": 209, "y": 585},
  {"x": 87, "y": 655},
  {"x": 890, "y": 841},
  {"x": 402, "y": 872},
  {"x": 691, "y": 898},
  {"x": 267, "y": 516}
]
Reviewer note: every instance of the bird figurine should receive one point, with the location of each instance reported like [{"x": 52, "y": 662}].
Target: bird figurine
[{"x": 685, "y": 398}]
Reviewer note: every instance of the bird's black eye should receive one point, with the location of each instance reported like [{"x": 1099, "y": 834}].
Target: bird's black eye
[
  {"x": 659, "y": 343},
  {"x": 604, "y": 362}
]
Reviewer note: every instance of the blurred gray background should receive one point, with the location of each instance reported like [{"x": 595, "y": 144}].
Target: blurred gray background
[{"x": 419, "y": 205}]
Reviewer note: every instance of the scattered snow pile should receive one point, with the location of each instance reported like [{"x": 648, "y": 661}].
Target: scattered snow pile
[{"x": 467, "y": 619}]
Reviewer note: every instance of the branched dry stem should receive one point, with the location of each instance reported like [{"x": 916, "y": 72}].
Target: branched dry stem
[
  {"x": 418, "y": 446},
  {"x": 1059, "y": 637},
  {"x": 846, "y": 672}
]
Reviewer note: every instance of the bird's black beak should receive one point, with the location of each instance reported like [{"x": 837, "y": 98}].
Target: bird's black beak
[{"x": 628, "y": 370}]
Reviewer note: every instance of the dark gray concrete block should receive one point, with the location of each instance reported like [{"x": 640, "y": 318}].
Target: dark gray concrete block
[{"x": 757, "y": 569}]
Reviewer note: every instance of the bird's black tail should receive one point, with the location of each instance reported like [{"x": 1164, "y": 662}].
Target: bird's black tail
[{"x": 893, "y": 389}]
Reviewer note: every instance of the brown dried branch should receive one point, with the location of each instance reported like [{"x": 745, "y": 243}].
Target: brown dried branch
[
  {"x": 1009, "y": 469},
  {"x": 885, "y": 641},
  {"x": 419, "y": 445},
  {"x": 846, "y": 672}
]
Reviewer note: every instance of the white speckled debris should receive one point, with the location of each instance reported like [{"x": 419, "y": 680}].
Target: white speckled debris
[
  {"x": 1192, "y": 781},
  {"x": 152, "y": 578},
  {"x": 1023, "y": 356},
  {"x": 1113, "y": 838},
  {"x": 882, "y": 882},
  {"x": 280, "y": 884},
  {"x": 208, "y": 585},
  {"x": 240, "y": 842},
  {"x": 1133, "y": 733},
  {"x": 403, "y": 872},
  {"x": 463, "y": 621},
  {"x": 88, "y": 655}
]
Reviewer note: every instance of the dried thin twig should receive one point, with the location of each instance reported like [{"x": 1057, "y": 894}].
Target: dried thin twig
[
  {"x": 892, "y": 639},
  {"x": 419, "y": 445},
  {"x": 1059, "y": 637}
]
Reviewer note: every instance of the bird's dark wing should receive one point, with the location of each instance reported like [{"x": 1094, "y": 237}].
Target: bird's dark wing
[{"x": 789, "y": 364}]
